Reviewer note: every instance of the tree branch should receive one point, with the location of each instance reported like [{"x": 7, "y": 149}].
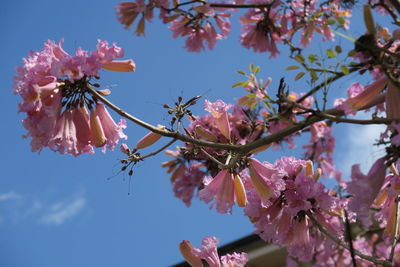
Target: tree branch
[
  {"x": 159, "y": 150},
  {"x": 241, "y": 149},
  {"x": 333, "y": 237},
  {"x": 396, "y": 230}
]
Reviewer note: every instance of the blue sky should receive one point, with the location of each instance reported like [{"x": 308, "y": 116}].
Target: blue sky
[{"x": 57, "y": 210}]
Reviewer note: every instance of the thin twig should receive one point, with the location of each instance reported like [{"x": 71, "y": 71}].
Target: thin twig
[
  {"x": 396, "y": 230},
  {"x": 350, "y": 238},
  {"x": 341, "y": 119},
  {"x": 354, "y": 121},
  {"x": 324, "y": 83},
  {"x": 159, "y": 150},
  {"x": 396, "y": 5},
  {"x": 219, "y": 163},
  {"x": 220, "y": 5},
  {"x": 334, "y": 238}
]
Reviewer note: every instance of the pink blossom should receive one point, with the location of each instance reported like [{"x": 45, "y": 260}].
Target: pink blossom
[
  {"x": 208, "y": 251},
  {"x": 365, "y": 188},
  {"x": 321, "y": 146},
  {"x": 83, "y": 131},
  {"x": 64, "y": 138},
  {"x": 221, "y": 190},
  {"x": 200, "y": 29},
  {"x": 124, "y": 148},
  {"x": 217, "y": 109},
  {"x": 267, "y": 180},
  {"x": 234, "y": 260},
  {"x": 185, "y": 248},
  {"x": 283, "y": 220},
  {"x": 224, "y": 24},
  {"x": 262, "y": 33},
  {"x": 127, "y": 12},
  {"x": 149, "y": 139},
  {"x": 112, "y": 131},
  {"x": 386, "y": 201},
  {"x": 185, "y": 185},
  {"x": 54, "y": 87},
  {"x": 363, "y": 99}
]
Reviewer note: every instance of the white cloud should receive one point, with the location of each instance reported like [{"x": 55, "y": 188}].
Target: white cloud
[
  {"x": 10, "y": 196},
  {"x": 15, "y": 207},
  {"x": 359, "y": 146},
  {"x": 59, "y": 212}
]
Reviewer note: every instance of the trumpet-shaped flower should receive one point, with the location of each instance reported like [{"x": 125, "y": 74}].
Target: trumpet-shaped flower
[
  {"x": 219, "y": 110},
  {"x": 221, "y": 190},
  {"x": 365, "y": 188},
  {"x": 149, "y": 139},
  {"x": 209, "y": 253},
  {"x": 55, "y": 91},
  {"x": 282, "y": 219},
  {"x": 266, "y": 179}
]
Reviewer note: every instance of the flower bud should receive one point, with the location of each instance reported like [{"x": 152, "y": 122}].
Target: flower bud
[
  {"x": 369, "y": 20},
  {"x": 149, "y": 139},
  {"x": 104, "y": 92},
  {"x": 260, "y": 149},
  {"x": 120, "y": 65},
  {"x": 178, "y": 173},
  {"x": 98, "y": 137},
  {"x": 309, "y": 169},
  {"x": 185, "y": 247},
  {"x": 240, "y": 193},
  {"x": 124, "y": 148},
  {"x": 205, "y": 133}
]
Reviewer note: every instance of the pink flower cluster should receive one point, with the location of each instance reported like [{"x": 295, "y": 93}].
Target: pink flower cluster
[
  {"x": 263, "y": 27},
  {"x": 209, "y": 253},
  {"x": 54, "y": 86},
  {"x": 282, "y": 216},
  {"x": 261, "y": 32},
  {"x": 198, "y": 28},
  {"x": 376, "y": 190},
  {"x": 382, "y": 89},
  {"x": 320, "y": 148},
  {"x": 219, "y": 126}
]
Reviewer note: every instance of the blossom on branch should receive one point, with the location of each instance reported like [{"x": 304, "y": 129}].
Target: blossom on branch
[
  {"x": 209, "y": 253},
  {"x": 54, "y": 87}
]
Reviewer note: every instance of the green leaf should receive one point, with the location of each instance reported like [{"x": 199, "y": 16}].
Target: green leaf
[
  {"x": 299, "y": 58},
  {"x": 245, "y": 83},
  {"x": 253, "y": 105},
  {"x": 352, "y": 53},
  {"x": 241, "y": 72},
  {"x": 256, "y": 70},
  {"x": 251, "y": 67},
  {"x": 294, "y": 67},
  {"x": 266, "y": 104},
  {"x": 331, "y": 21},
  {"x": 237, "y": 84},
  {"x": 338, "y": 49},
  {"x": 251, "y": 95},
  {"x": 330, "y": 53},
  {"x": 344, "y": 69},
  {"x": 299, "y": 76},
  {"x": 312, "y": 58},
  {"x": 313, "y": 76},
  {"x": 341, "y": 20}
]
